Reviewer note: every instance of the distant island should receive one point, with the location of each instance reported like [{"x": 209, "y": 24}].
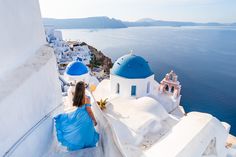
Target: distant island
[
  {"x": 90, "y": 22},
  {"x": 106, "y": 22}
]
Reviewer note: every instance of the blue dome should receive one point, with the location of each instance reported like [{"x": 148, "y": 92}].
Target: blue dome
[
  {"x": 76, "y": 68},
  {"x": 131, "y": 66}
]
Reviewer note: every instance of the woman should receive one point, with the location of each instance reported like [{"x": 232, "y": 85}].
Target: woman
[{"x": 75, "y": 130}]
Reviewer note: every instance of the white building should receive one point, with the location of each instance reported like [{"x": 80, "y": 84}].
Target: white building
[
  {"x": 76, "y": 71},
  {"x": 30, "y": 96},
  {"x": 52, "y": 35},
  {"x": 64, "y": 52},
  {"x": 130, "y": 75},
  {"x": 148, "y": 120}
]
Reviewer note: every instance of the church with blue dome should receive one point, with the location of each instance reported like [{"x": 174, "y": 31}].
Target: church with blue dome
[
  {"x": 76, "y": 68},
  {"x": 132, "y": 67},
  {"x": 76, "y": 71},
  {"x": 131, "y": 76}
]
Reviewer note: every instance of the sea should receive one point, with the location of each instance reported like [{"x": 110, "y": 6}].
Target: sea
[{"x": 204, "y": 59}]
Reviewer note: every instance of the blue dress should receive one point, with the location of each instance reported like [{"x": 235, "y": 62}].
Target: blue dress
[{"x": 75, "y": 130}]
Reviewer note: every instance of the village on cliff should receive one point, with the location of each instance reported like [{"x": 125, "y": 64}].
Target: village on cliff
[
  {"x": 136, "y": 115},
  {"x": 146, "y": 116}
]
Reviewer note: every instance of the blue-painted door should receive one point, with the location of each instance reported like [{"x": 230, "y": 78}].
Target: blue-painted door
[{"x": 133, "y": 90}]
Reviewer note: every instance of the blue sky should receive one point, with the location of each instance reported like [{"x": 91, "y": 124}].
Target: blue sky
[{"x": 178, "y": 10}]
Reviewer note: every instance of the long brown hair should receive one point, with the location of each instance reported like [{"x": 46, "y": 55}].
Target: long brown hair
[{"x": 79, "y": 96}]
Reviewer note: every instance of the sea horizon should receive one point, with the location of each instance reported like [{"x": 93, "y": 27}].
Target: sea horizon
[{"x": 204, "y": 58}]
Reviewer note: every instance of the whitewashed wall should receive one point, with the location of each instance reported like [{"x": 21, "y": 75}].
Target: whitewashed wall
[
  {"x": 28, "y": 94},
  {"x": 21, "y": 32},
  {"x": 193, "y": 136},
  {"x": 125, "y": 85},
  {"x": 29, "y": 83}
]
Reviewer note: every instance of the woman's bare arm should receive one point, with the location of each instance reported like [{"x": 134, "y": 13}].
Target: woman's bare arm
[{"x": 90, "y": 112}]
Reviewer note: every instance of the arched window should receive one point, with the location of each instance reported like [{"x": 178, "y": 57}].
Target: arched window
[
  {"x": 171, "y": 77},
  {"x": 148, "y": 87},
  {"x": 167, "y": 88},
  {"x": 133, "y": 90},
  {"x": 172, "y": 89},
  {"x": 118, "y": 88}
]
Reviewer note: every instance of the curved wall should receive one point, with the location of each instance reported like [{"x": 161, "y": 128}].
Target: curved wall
[
  {"x": 125, "y": 86},
  {"x": 21, "y": 32},
  {"x": 30, "y": 87},
  {"x": 27, "y": 94}
]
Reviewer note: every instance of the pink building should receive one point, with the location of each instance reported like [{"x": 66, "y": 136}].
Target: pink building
[{"x": 170, "y": 85}]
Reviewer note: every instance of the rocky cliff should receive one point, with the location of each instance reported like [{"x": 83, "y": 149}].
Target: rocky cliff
[{"x": 99, "y": 59}]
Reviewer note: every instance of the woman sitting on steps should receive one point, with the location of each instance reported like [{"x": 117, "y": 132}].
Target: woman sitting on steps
[{"x": 75, "y": 130}]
